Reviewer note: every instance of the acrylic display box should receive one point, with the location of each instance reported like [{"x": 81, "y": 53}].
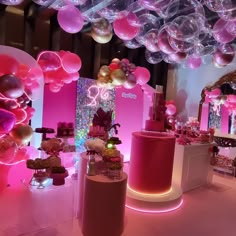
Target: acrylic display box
[{"x": 27, "y": 209}]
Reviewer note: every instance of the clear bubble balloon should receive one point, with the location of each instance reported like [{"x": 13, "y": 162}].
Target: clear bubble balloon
[
  {"x": 220, "y": 5},
  {"x": 153, "y": 5},
  {"x": 147, "y": 23},
  {"x": 183, "y": 28},
  {"x": 113, "y": 10},
  {"x": 183, "y": 8},
  {"x": 151, "y": 40},
  {"x": 153, "y": 57},
  {"x": 163, "y": 42},
  {"x": 228, "y": 15},
  {"x": 224, "y": 55},
  {"x": 132, "y": 44},
  {"x": 180, "y": 45},
  {"x": 11, "y": 2}
]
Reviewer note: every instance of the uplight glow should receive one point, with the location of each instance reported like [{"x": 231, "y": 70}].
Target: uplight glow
[
  {"x": 149, "y": 194},
  {"x": 156, "y": 211}
]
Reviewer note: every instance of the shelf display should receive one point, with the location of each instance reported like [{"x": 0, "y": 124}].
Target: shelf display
[
  {"x": 99, "y": 143},
  {"x": 50, "y": 167}
]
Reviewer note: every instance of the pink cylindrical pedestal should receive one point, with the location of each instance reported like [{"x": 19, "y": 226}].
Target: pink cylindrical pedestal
[
  {"x": 151, "y": 162},
  {"x": 104, "y": 206}
]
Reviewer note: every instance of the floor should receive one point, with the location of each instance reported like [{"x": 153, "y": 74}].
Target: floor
[{"x": 208, "y": 210}]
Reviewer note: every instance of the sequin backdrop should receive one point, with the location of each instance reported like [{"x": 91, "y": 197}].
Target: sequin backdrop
[{"x": 89, "y": 99}]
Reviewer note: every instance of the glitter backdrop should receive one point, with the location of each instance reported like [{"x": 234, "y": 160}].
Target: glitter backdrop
[{"x": 89, "y": 99}]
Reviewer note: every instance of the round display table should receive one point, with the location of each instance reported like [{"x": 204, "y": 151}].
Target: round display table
[
  {"x": 104, "y": 206},
  {"x": 150, "y": 187},
  {"x": 151, "y": 162}
]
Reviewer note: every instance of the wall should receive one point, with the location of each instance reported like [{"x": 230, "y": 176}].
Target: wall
[
  {"x": 184, "y": 86},
  {"x": 59, "y": 107}
]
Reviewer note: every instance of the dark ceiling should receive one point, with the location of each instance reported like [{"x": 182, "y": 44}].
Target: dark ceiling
[{"x": 34, "y": 28}]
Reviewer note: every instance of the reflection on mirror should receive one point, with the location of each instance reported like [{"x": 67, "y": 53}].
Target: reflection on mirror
[{"x": 218, "y": 106}]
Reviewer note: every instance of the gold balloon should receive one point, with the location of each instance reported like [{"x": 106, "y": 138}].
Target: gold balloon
[
  {"x": 118, "y": 77},
  {"x": 115, "y": 60},
  {"x": 101, "y": 38},
  {"x": 104, "y": 71},
  {"x": 21, "y": 133}
]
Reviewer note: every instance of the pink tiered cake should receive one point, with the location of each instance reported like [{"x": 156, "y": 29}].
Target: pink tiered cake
[{"x": 157, "y": 112}]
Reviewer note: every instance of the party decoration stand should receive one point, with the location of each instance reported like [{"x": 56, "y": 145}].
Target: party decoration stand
[{"x": 150, "y": 187}]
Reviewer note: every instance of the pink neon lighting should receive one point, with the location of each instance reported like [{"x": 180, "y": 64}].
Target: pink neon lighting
[
  {"x": 156, "y": 211},
  {"x": 149, "y": 194},
  {"x": 11, "y": 164},
  {"x": 94, "y": 92}
]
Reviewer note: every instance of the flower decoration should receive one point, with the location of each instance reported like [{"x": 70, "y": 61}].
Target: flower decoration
[
  {"x": 103, "y": 119},
  {"x": 94, "y": 146}
]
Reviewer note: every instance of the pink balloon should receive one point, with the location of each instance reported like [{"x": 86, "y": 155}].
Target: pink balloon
[
  {"x": 54, "y": 88},
  {"x": 70, "y": 19},
  {"x": 9, "y": 65},
  {"x": 71, "y": 62},
  {"x": 177, "y": 57},
  {"x": 74, "y": 76},
  {"x": 142, "y": 75},
  {"x": 124, "y": 28},
  {"x": 220, "y": 32},
  {"x": 224, "y": 55},
  {"x": 130, "y": 82},
  {"x": 170, "y": 109},
  {"x": 7, "y": 121},
  {"x": 163, "y": 42},
  {"x": 194, "y": 62},
  {"x": 11, "y": 86},
  {"x": 49, "y": 60}
]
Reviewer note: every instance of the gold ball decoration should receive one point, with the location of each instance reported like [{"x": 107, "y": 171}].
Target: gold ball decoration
[
  {"x": 104, "y": 71},
  {"x": 21, "y": 133},
  {"x": 101, "y": 38},
  {"x": 118, "y": 77}
]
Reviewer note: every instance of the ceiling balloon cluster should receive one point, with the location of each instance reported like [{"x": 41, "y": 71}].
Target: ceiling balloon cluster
[{"x": 175, "y": 31}]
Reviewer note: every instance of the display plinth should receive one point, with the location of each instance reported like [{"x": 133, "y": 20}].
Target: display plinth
[
  {"x": 104, "y": 206},
  {"x": 192, "y": 165},
  {"x": 155, "y": 203},
  {"x": 151, "y": 162}
]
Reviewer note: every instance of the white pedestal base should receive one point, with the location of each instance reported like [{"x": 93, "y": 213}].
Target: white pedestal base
[{"x": 155, "y": 203}]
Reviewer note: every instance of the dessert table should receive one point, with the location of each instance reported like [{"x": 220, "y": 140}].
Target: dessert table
[
  {"x": 192, "y": 167},
  {"x": 103, "y": 209}
]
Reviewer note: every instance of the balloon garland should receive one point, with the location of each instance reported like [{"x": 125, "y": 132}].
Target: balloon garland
[
  {"x": 122, "y": 73},
  {"x": 19, "y": 84},
  {"x": 59, "y": 68}
]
